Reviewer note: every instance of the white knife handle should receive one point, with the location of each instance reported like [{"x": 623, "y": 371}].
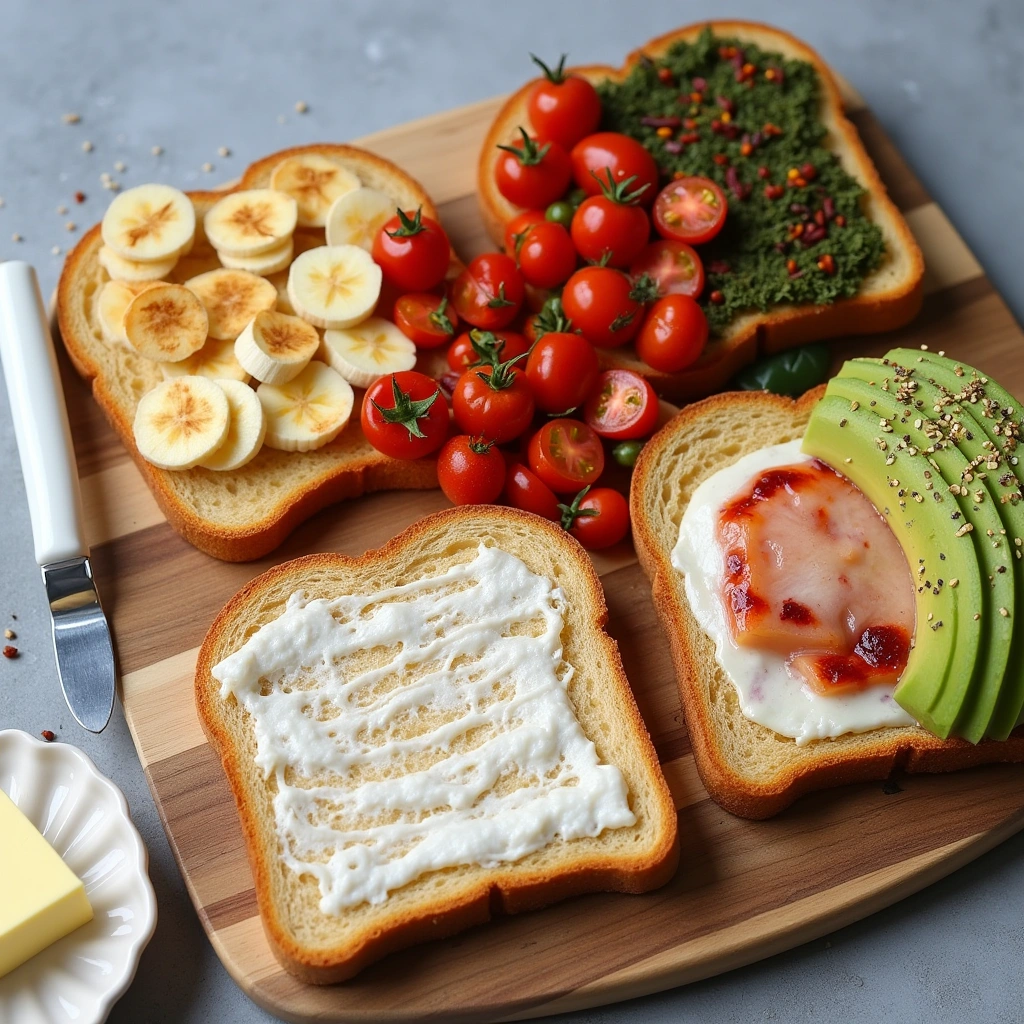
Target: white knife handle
[{"x": 40, "y": 418}]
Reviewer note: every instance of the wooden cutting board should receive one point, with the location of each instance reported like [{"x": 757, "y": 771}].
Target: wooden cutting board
[{"x": 744, "y": 889}]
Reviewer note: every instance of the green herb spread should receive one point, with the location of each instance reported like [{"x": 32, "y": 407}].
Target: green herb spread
[{"x": 749, "y": 120}]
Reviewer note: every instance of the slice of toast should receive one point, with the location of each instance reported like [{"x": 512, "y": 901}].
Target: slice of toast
[
  {"x": 242, "y": 514},
  {"x": 747, "y": 768},
  {"x": 323, "y": 948},
  {"x": 890, "y": 297}
]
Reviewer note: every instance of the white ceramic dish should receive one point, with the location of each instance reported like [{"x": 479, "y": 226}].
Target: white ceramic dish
[{"x": 85, "y": 818}]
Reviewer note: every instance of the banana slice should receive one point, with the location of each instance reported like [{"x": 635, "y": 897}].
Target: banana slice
[
  {"x": 364, "y": 353},
  {"x": 356, "y": 217},
  {"x": 181, "y": 422},
  {"x": 307, "y": 412},
  {"x": 121, "y": 269},
  {"x": 149, "y": 223},
  {"x": 166, "y": 322},
  {"x": 114, "y": 299},
  {"x": 334, "y": 285},
  {"x": 232, "y": 298},
  {"x": 314, "y": 182},
  {"x": 250, "y": 222},
  {"x": 216, "y": 360},
  {"x": 275, "y": 347},
  {"x": 247, "y": 428},
  {"x": 269, "y": 262}
]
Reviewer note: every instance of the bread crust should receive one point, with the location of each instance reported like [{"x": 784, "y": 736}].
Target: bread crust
[
  {"x": 826, "y": 763},
  {"x": 363, "y": 473},
  {"x": 756, "y": 333},
  {"x": 509, "y": 890}
]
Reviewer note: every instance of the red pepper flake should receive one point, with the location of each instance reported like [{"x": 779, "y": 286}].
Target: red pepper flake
[
  {"x": 771, "y": 130},
  {"x": 690, "y": 137},
  {"x": 665, "y": 75},
  {"x": 716, "y": 126},
  {"x": 10, "y": 651},
  {"x": 49, "y": 735},
  {"x": 689, "y": 123},
  {"x": 664, "y": 132},
  {"x": 763, "y": 172},
  {"x": 727, "y": 52},
  {"x": 827, "y": 265},
  {"x": 748, "y": 69},
  {"x": 840, "y": 221},
  {"x": 722, "y": 159},
  {"x": 796, "y": 182},
  {"x": 796, "y": 230},
  {"x": 819, "y": 218},
  {"x": 828, "y": 208},
  {"x": 717, "y": 297},
  {"x": 791, "y": 267},
  {"x": 726, "y": 117},
  {"x": 808, "y": 171},
  {"x": 746, "y": 149},
  {"x": 79, "y": 197},
  {"x": 678, "y": 175},
  {"x": 773, "y": 191},
  {"x": 696, "y": 97}
]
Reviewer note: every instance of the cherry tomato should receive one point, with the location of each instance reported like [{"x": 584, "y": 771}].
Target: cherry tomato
[
  {"x": 673, "y": 335},
  {"x": 494, "y": 401},
  {"x": 560, "y": 212},
  {"x": 532, "y": 175},
  {"x": 673, "y": 266},
  {"x": 547, "y": 256},
  {"x": 412, "y": 251},
  {"x": 597, "y": 518},
  {"x": 491, "y": 347},
  {"x": 404, "y": 415},
  {"x": 517, "y": 228},
  {"x": 566, "y": 454},
  {"x": 690, "y": 210},
  {"x": 625, "y": 157},
  {"x": 622, "y": 406},
  {"x": 611, "y": 228},
  {"x": 426, "y": 319},
  {"x": 470, "y": 470},
  {"x": 525, "y": 490},
  {"x": 605, "y": 305},
  {"x": 489, "y": 292},
  {"x": 561, "y": 370},
  {"x": 563, "y": 108}
]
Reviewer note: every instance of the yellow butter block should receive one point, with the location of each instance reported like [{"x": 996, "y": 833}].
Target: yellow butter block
[{"x": 41, "y": 900}]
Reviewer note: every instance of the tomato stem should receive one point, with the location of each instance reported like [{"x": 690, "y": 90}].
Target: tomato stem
[
  {"x": 644, "y": 290},
  {"x": 501, "y": 375},
  {"x": 530, "y": 154},
  {"x": 487, "y": 346},
  {"x": 440, "y": 319},
  {"x": 556, "y": 76},
  {"x": 407, "y": 411},
  {"x": 551, "y": 320},
  {"x": 570, "y": 513},
  {"x": 618, "y": 192},
  {"x": 499, "y": 300},
  {"x": 410, "y": 225},
  {"x": 480, "y": 445}
]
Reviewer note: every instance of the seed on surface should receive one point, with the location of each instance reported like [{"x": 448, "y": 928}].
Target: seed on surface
[
  {"x": 55, "y": 250},
  {"x": 87, "y": 146},
  {"x": 71, "y": 118},
  {"x": 62, "y": 209},
  {"x": 10, "y": 652},
  {"x": 71, "y": 226},
  {"x": 9, "y": 634},
  {"x": 207, "y": 167},
  {"x": 16, "y": 237},
  {"x": 224, "y": 151},
  {"x": 301, "y": 107},
  {"x": 157, "y": 150},
  {"x": 49, "y": 735}
]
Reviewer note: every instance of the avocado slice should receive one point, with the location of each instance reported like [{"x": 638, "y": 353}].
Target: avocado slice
[
  {"x": 846, "y": 433},
  {"x": 958, "y": 453}
]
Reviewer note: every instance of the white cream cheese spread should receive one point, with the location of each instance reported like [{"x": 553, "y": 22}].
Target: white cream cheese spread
[
  {"x": 422, "y": 727},
  {"x": 769, "y": 692}
]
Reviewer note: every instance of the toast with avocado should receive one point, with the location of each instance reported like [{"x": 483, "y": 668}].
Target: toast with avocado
[
  {"x": 472, "y": 747},
  {"x": 812, "y": 247},
  {"x": 932, "y": 445}
]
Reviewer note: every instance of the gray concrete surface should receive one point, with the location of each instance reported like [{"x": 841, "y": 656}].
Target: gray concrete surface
[{"x": 947, "y": 80}]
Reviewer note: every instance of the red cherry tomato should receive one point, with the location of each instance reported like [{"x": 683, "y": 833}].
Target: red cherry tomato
[
  {"x": 610, "y": 230},
  {"x": 690, "y": 210},
  {"x": 673, "y": 266},
  {"x": 493, "y": 401},
  {"x": 604, "y": 304},
  {"x": 404, "y": 415},
  {"x": 489, "y": 292},
  {"x": 547, "y": 255},
  {"x": 597, "y": 518},
  {"x": 426, "y": 319},
  {"x": 566, "y": 454},
  {"x": 517, "y": 228},
  {"x": 525, "y": 490},
  {"x": 497, "y": 346},
  {"x": 532, "y": 174},
  {"x": 626, "y": 158},
  {"x": 563, "y": 108},
  {"x": 673, "y": 335},
  {"x": 470, "y": 470},
  {"x": 622, "y": 406},
  {"x": 561, "y": 370},
  {"x": 412, "y": 251}
]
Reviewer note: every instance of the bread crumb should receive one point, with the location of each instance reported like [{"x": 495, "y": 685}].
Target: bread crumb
[
  {"x": 87, "y": 146},
  {"x": 71, "y": 226},
  {"x": 120, "y": 166},
  {"x": 55, "y": 250},
  {"x": 62, "y": 209},
  {"x": 16, "y": 237},
  {"x": 71, "y": 118},
  {"x": 157, "y": 150},
  {"x": 207, "y": 167},
  {"x": 9, "y": 634},
  {"x": 301, "y": 107},
  {"x": 224, "y": 151}
]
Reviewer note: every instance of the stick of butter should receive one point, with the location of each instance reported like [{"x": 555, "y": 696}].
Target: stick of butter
[{"x": 41, "y": 900}]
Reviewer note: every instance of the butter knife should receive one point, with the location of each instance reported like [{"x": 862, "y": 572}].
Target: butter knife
[{"x": 81, "y": 637}]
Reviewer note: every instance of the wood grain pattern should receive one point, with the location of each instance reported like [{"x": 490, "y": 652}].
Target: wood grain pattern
[{"x": 744, "y": 889}]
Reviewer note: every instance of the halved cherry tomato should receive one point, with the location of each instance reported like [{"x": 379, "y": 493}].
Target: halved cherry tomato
[
  {"x": 494, "y": 401},
  {"x": 605, "y": 305},
  {"x": 611, "y": 228},
  {"x": 525, "y": 490},
  {"x": 491, "y": 347},
  {"x": 563, "y": 108},
  {"x": 673, "y": 335},
  {"x": 531, "y": 174},
  {"x": 412, "y": 251},
  {"x": 597, "y": 518},
  {"x": 674, "y": 267},
  {"x": 566, "y": 454},
  {"x": 547, "y": 255},
  {"x": 690, "y": 210},
  {"x": 404, "y": 415},
  {"x": 470, "y": 470},
  {"x": 624, "y": 156},
  {"x": 517, "y": 228},
  {"x": 426, "y": 319},
  {"x": 621, "y": 406},
  {"x": 489, "y": 292},
  {"x": 561, "y": 369}
]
